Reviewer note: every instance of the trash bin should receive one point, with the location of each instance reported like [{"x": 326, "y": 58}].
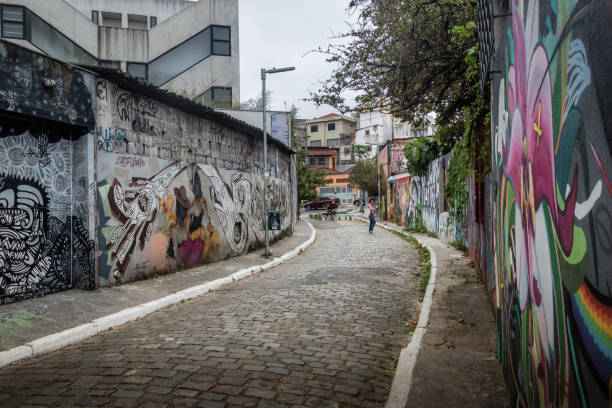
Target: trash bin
[{"x": 274, "y": 222}]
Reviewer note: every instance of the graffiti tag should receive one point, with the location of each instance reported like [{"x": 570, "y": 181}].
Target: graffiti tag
[
  {"x": 127, "y": 161},
  {"x": 110, "y": 138}
]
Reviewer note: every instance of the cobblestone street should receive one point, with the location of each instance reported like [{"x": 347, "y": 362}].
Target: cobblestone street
[{"x": 323, "y": 330}]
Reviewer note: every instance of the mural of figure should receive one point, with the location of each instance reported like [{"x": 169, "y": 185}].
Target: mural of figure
[{"x": 23, "y": 263}]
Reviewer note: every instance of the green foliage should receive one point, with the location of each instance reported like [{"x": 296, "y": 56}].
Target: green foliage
[
  {"x": 456, "y": 188},
  {"x": 364, "y": 176},
  {"x": 360, "y": 150},
  {"x": 419, "y": 153},
  {"x": 308, "y": 180}
]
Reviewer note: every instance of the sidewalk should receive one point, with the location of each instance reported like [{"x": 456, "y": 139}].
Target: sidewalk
[
  {"x": 456, "y": 361},
  {"x": 25, "y": 321}
]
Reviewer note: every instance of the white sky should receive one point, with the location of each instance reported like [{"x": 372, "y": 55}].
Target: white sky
[{"x": 277, "y": 33}]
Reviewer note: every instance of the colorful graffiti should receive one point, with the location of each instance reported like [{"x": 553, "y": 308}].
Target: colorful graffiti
[
  {"x": 190, "y": 213},
  {"x": 551, "y": 198}
]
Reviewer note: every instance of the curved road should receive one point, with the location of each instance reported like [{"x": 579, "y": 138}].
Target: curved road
[{"x": 323, "y": 330}]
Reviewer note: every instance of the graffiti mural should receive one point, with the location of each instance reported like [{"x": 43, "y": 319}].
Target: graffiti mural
[
  {"x": 550, "y": 196},
  {"x": 44, "y": 248},
  {"x": 190, "y": 213}
]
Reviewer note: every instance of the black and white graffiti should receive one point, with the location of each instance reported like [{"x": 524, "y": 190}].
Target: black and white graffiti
[{"x": 23, "y": 261}]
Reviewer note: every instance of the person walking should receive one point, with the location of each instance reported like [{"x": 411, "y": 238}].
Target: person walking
[{"x": 371, "y": 208}]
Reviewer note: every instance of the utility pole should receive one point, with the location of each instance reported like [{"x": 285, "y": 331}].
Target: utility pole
[{"x": 266, "y": 174}]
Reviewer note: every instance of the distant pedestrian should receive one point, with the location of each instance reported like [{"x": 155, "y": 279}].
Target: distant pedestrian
[{"x": 371, "y": 207}]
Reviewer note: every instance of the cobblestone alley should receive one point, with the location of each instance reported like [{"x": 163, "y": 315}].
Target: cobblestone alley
[{"x": 323, "y": 330}]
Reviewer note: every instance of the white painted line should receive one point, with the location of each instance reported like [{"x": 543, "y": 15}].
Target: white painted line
[
  {"x": 62, "y": 339},
  {"x": 74, "y": 335},
  {"x": 15, "y": 354}
]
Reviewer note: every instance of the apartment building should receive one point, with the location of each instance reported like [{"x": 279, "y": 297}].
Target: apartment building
[
  {"x": 187, "y": 47},
  {"x": 327, "y": 130}
]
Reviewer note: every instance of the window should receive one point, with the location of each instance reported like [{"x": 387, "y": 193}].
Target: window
[
  {"x": 369, "y": 148},
  {"x": 214, "y": 40},
  {"x": 419, "y": 132},
  {"x": 153, "y": 21},
  {"x": 332, "y": 142},
  {"x": 216, "y": 96},
  {"x": 367, "y": 132},
  {"x": 347, "y": 150},
  {"x": 95, "y": 18},
  {"x": 138, "y": 22},
  {"x": 109, "y": 64},
  {"x": 311, "y": 161},
  {"x": 331, "y": 126},
  {"x": 221, "y": 44},
  {"x": 111, "y": 19},
  {"x": 137, "y": 70},
  {"x": 13, "y": 22},
  {"x": 56, "y": 44},
  {"x": 314, "y": 128},
  {"x": 321, "y": 161},
  {"x": 315, "y": 143}
]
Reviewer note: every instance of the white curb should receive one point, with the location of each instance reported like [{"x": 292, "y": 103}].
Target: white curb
[
  {"x": 74, "y": 335},
  {"x": 62, "y": 339},
  {"x": 402, "y": 380}
]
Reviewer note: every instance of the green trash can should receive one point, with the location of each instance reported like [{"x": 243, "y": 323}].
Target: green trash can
[{"x": 274, "y": 221}]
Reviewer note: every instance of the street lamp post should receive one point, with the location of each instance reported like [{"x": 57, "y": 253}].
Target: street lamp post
[{"x": 265, "y": 142}]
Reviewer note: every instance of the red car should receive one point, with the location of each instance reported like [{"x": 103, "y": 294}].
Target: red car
[{"x": 322, "y": 202}]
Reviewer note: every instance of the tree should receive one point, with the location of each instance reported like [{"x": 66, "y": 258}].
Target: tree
[
  {"x": 308, "y": 180},
  {"x": 257, "y": 103},
  {"x": 360, "y": 151},
  {"x": 364, "y": 176},
  {"x": 409, "y": 58}
]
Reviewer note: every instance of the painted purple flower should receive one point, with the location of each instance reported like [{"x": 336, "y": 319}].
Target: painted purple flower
[{"x": 530, "y": 163}]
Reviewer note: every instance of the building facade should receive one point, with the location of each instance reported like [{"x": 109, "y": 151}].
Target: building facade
[
  {"x": 190, "y": 48},
  {"x": 328, "y": 130}
]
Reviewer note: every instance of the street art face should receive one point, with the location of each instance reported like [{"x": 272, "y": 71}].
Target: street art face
[
  {"x": 39, "y": 253},
  {"x": 552, "y": 200},
  {"x": 194, "y": 211},
  {"x": 21, "y": 236}
]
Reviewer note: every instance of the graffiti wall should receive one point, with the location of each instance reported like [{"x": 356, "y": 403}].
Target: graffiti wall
[
  {"x": 45, "y": 176},
  {"x": 550, "y": 195},
  {"x": 162, "y": 214}
]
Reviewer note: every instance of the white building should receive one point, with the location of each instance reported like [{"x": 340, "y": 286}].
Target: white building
[
  {"x": 404, "y": 130},
  {"x": 373, "y": 130},
  {"x": 190, "y": 48}
]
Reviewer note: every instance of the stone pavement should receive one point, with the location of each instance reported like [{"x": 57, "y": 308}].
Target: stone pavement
[
  {"x": 323, "y": 330},
  {"x": 31, "y": 319},
  {"x": 457, "y": 363}
]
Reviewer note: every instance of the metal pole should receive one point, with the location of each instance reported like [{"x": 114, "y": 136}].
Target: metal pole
[
  {"x": 265, "y": 169},
  {"x": 378, "y": 179}
]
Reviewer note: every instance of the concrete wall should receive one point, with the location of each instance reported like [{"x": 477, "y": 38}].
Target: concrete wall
[
  {"x": 175, "y": 190},
  {"x": 162, "y": 9},
  {"x": 46, "y": 171},
  {"x": 551, "y": 196}
]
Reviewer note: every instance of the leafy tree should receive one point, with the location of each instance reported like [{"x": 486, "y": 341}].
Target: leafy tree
[
  {"x": 419, "y": 153},
  {"x": 411, "y": 57},
  {"x": 308, "y": 180},
  {"x": 364, "y": 176},
  {"x": 360, "y": 151}
]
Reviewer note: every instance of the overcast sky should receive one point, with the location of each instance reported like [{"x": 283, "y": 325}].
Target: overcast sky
[{"x": 277, "y": 33}]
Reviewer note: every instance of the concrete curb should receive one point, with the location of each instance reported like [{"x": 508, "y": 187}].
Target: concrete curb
[
  {"x": 66, "y": 337},
  {"x": 402, "y": 381}
]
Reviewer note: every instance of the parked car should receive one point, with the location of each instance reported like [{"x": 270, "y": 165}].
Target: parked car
[{"x": 322, "y": 202}]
